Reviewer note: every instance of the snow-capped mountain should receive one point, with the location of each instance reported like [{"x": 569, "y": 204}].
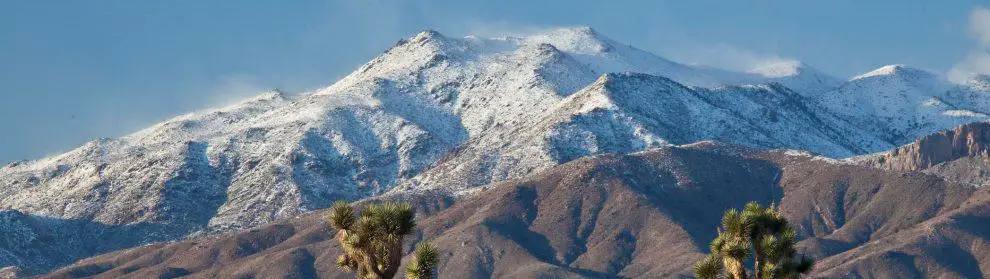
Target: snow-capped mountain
[
  {"x": 441, "y": 112},
  {"x": 904, "y": 103}
]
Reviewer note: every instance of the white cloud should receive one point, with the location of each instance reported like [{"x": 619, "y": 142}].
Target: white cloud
[
  {"x": 978, "y": 59},
  {"x": 673, "y": 43},
  {"x": 232, "y": 89},
  {"x": 490, "y": 29},
  {"x": 976, "y": 62},
  {"x": 727, "y": 57},
  {"x": 979, "y": 25}
]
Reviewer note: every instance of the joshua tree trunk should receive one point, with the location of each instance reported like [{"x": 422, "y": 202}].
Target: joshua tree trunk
[
  {"x": 735, "y": 268},
  {"x": 758, "y": 262},
  {"x": 394, "y": 257},
  {"x": 372, "y": 265}
]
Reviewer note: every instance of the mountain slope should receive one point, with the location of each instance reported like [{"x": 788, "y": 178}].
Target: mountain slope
[
  {"x": 622, "y": 113},
  {"x": 649, "y": 215},
  {"x": 950, "y": 245}
]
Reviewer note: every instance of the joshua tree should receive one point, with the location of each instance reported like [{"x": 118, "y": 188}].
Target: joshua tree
[
  {"x": 372, "y": 243},
  {"x": 759, "y": 232},
  {"x": 424, "y": 262}
]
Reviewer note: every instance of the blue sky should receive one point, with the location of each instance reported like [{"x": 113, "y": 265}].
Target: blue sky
[{"x": 73, "y": 71}]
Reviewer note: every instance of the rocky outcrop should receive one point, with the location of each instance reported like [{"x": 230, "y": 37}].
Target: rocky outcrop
[{"x": 971, "y": 141}]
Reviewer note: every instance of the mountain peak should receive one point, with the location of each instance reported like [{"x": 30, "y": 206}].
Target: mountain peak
[
  {"x": 579, "y": 31},
  {"x": 781, "y": 69},
  {"x": 797, "y": 76},
  {"x": 427, "y": 37},
  {"x": 271, "y": 94},
  {"x": 894, "y": 70},
  {"x": 427, "y": 34},
  {"x": 584, "y": 40}
]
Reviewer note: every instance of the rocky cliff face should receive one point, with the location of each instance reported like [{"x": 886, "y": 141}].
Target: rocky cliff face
[{"x": 945, "y": 151}]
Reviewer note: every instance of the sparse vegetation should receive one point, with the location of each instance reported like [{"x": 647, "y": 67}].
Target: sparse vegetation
[
  {"x": 373, "y": 242},
  {"x": 758, "y": 232}
]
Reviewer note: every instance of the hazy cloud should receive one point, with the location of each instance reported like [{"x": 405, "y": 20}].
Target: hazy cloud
[
  {"x": 726, "y": 57},
  {"x": 977, "y": 61},
  {"x": 233, "y": 89},
  {"x": 505, "y": 28},
  {"x": 979, "y": 25}
]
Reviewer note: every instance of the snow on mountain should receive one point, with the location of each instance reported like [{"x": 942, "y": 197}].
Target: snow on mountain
[
  {"x": 973, "y": 93},
  {"x": 441, "y": 112},
  {"x": 978, "y": 83},
  {"x": 901, "y": 103},
  {"x": 623, "y": 113},
  {"x": 798, "y": 76}
]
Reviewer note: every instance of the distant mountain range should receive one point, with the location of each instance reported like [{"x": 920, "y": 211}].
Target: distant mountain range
[{"x": 453, "y": 116}]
